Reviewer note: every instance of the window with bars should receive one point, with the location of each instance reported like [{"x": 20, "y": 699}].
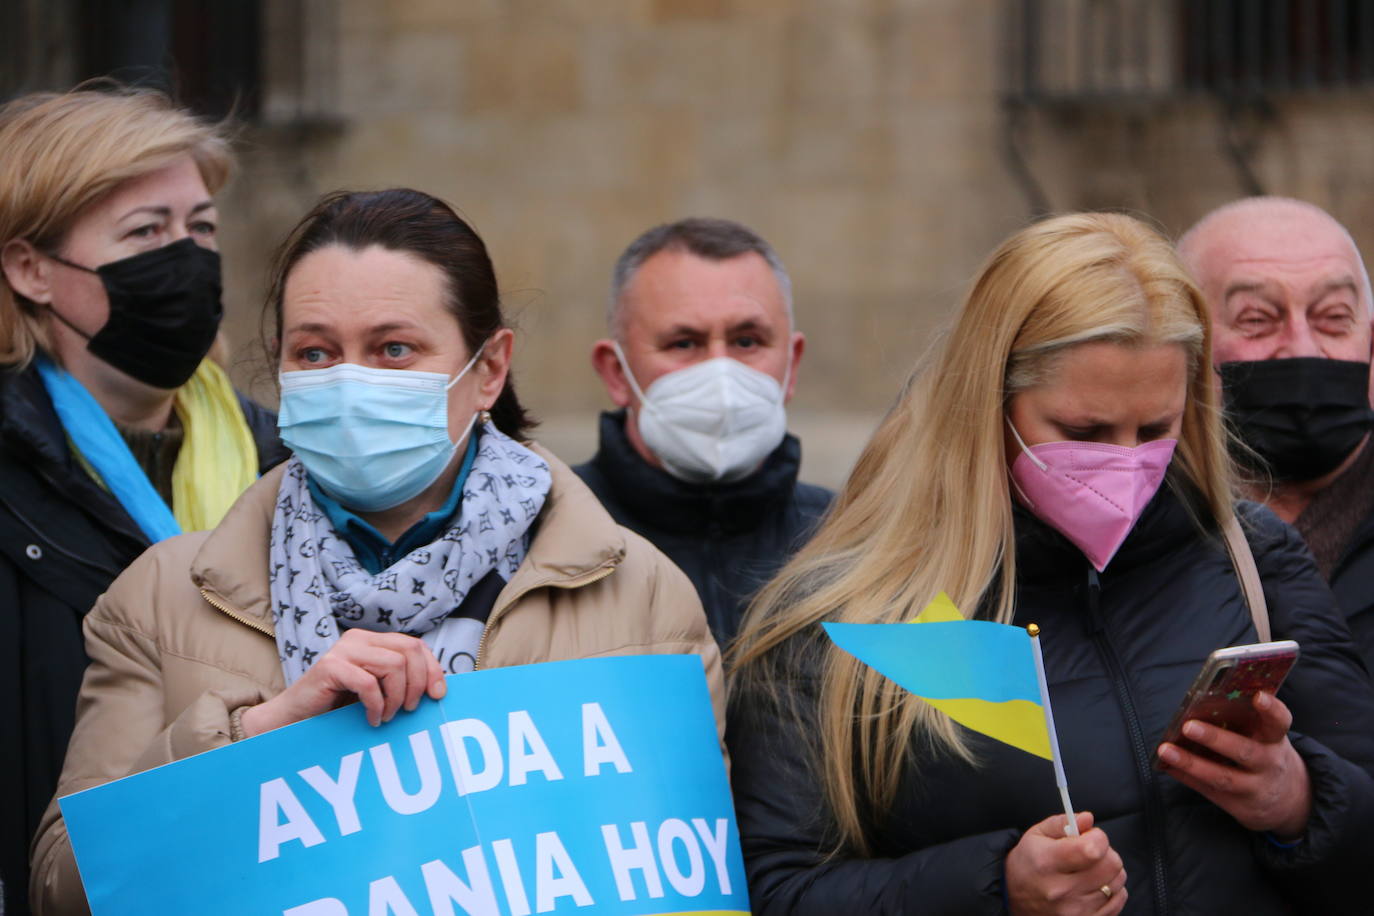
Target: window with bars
[
  {"x": 1101, "y": 50},
  {"x": 203, "y": 51},
  {"x": 264, "y": 61}
]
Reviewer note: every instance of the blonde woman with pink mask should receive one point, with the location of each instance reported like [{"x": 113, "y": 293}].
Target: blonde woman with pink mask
[{"x": 1061, "y": 461}]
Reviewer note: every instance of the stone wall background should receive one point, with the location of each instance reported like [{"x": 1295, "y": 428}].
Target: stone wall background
[
  {"x": 860, "y": 138},
  {"x": 866, "y": 139}
]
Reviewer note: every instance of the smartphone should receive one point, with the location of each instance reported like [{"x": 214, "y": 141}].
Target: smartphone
[{"x": 1223, "y": 694}]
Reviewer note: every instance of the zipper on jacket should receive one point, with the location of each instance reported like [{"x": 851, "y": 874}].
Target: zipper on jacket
[
  {"x": 226, "y": 609},
  {"x": 1149, "y": 783},
  {"x": 718, "y": 561},
  {"x": 595, "y": 575}
]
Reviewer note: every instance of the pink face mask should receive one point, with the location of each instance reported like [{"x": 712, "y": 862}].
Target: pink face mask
[{"x": 1090, "y": 492}]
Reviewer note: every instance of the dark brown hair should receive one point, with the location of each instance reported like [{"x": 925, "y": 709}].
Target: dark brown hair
[{"x": 417, "y": 224}]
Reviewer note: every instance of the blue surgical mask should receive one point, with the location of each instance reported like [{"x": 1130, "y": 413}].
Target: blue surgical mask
[{"x": 371, "y": 438}]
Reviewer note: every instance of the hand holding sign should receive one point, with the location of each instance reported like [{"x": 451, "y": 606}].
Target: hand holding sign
[
  {"x": 551, "y": 788},
  {"x": 385, "y": 671}
]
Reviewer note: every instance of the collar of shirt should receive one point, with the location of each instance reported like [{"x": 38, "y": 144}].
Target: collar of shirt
[{"x": 370, "y": 546}]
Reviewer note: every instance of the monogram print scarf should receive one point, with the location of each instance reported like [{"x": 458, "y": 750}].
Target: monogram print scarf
[{"x": 319, "y": 588}]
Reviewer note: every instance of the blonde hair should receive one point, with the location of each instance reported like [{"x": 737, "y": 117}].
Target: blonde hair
[
  {"x": 62, "y": 152},
  {"x": 927, "y": 507}
]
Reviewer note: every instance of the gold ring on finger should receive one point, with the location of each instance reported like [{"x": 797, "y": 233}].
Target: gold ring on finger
[{"x": 1106, "y": 891}]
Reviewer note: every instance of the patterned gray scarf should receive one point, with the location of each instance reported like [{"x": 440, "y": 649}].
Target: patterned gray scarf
[{"x": 319, "y": 588}]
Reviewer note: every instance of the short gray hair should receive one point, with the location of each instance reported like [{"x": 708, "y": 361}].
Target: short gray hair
[{"x": 712, "y": 239}]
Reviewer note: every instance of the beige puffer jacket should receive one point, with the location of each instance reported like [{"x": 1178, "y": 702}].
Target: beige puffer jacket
[{"x": 175, "y": 653}]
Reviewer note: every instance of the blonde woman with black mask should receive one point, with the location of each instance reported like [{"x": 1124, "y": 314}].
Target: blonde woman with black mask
[
  {"x": 854, "y": 797},
  {"x": 115, "y": 431}
]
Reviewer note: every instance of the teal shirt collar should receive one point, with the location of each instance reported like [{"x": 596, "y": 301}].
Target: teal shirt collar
[{"x": 369, "y": 545}]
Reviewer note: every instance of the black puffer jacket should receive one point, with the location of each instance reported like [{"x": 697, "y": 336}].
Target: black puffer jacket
[
  {"x": 1120, "y": 651},
  {"x": 728, "y": 538},
  {"x": 1353, "y": 582},
  {"x": 63, "y": 540}
]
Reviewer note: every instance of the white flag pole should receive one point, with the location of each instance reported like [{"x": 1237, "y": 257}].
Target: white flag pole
[{"x": 1059, "y": 779}]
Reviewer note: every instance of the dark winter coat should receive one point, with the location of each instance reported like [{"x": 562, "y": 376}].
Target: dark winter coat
[
  {"x": 63, "y": 540},
  {"x": 1353, "y": 582},
  {"x": 728, "y": 538},
  {"x": 1120, "y": 652}
]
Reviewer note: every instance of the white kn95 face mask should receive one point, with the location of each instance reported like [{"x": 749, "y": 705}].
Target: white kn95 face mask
[{"x": 712, "y": 422}]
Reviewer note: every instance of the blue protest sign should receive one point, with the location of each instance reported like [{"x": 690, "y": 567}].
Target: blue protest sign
[{"x": 593, "y": 786}]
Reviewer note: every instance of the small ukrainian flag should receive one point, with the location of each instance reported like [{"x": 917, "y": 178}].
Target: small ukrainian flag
[{"x": 981, "y": 674}]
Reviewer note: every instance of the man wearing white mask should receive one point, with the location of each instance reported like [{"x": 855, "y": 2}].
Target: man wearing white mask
[{"x": 702, "y": 359}]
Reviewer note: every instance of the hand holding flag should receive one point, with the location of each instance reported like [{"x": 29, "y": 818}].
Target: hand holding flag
[{"x": 990, "y": 678}]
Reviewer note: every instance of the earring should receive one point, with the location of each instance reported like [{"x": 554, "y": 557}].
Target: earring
[{"x": 484, "y": 416}]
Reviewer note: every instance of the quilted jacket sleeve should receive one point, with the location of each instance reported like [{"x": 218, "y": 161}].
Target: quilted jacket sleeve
[
  {"x": 1332, "y": 701},
  {"x": 677, "y": 621},
  {"x": 121, "y": 727}
]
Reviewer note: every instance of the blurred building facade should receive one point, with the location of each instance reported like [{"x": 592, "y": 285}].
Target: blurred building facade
[{"x": 883, "y": 146}]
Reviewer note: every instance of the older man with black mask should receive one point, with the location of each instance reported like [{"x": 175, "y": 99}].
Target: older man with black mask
[
  {"x": 702, "y": 359},
  {"x": 1291, "y": 309}
]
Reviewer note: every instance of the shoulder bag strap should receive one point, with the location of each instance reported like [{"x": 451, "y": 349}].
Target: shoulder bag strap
[{"x": 1244, "y": 562}]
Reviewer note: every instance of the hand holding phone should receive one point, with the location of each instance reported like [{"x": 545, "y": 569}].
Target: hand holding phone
[
  {"x": 1256, "y": 776},
  {"x": 1223, "y": 693}
]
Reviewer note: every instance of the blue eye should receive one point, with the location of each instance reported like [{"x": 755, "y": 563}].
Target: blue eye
[
  {"x": 397, "y": 350},
  {"x": 313, "y": 355}
]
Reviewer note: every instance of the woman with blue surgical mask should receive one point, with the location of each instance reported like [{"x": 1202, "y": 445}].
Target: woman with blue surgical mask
[{"x": 416, "y": 532}]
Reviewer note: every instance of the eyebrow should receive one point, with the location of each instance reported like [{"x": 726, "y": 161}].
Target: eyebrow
[
  {"x": 680, "y": 330},
  {"x": 752, "y": 324},
  {"x": 749, "y": 324},
  {"x": 315, "y": 327},
  {"x": 309, "y": 327},
  {"x": 1263, "y": 287},
  {"x": 1090, "y": 421},
  {"x": 1340, "y": 283},
  {"x": 166, "y": 212},
  {"x": 390, "y": 326}
]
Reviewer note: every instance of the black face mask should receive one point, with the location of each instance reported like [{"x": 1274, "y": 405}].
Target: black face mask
[
  {"x": 1302, "y": 416},
  {"x": 164, "y": 312}
]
